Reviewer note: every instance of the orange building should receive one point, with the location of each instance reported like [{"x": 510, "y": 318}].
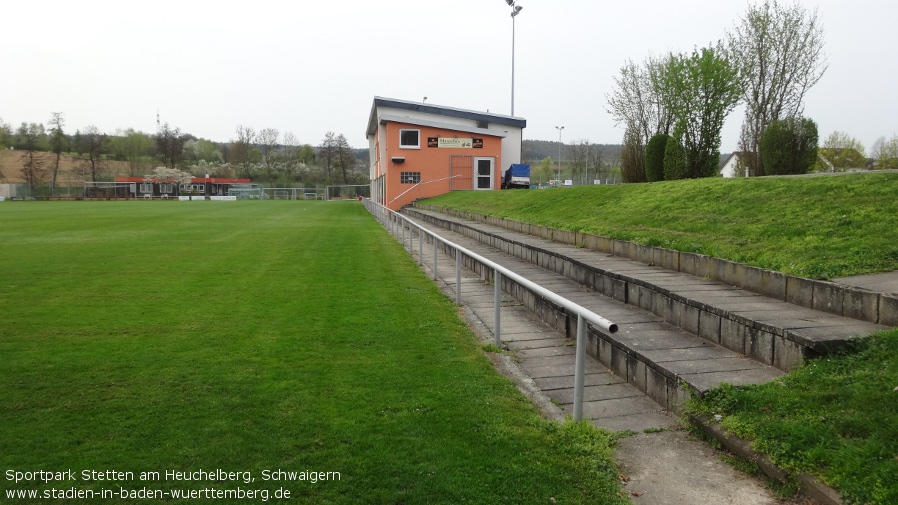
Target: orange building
[{"x": 420, "y": 150}]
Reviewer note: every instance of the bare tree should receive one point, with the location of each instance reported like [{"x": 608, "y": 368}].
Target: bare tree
[
  {"x": 345, "y": 159},
  {"x": 29, "y": 139},
  {"x": 637, "y": 101},
  {"x": 241, "y": 152},
  {"x": 327, "y": 154},
  {"x": 93, "y": 143},
  {"x": 170, "y": 145},
  {"x": 58, "y": 144},
  {"x": 268, "y": 145},
  {"x": 290, "y": 155},
  {"x": 779, "y": 50},
  {"x": 632, "y": 156},
  {"x": 885, "y": 152}
]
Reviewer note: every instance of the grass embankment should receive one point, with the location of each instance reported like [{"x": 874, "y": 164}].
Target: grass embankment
[
  {"x": 252, "y": 337},
  {"x": 815, "y": 227},
  {"x": 836, "y": 417}
]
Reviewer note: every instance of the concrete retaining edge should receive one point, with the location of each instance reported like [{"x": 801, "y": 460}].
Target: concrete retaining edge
[
  {"x": 834, "y": 298},
  {"x": 810, "y": 486}
]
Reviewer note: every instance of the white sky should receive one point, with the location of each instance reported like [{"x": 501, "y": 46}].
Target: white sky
[{"x": 311, "y": 67}]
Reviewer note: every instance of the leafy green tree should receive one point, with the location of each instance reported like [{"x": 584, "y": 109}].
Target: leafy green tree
[
  {"x": 202, "y": 150},
  {"x": 134, "y": 147},
  {"x": 789, "y": 146},
  {"x": 842, "y": 140},
  {"x": 58, "y": 144},
  {"x": 842, "y": 151},
  {"x": 654, "y": 157},
  {"x": 544, "y": 170},
  {"x": 30, "y": 139},
  {"x": 779, "y": 51},
  {"x": 306, "y": 154},
  {"x": 701, "y": 89},
  {"x": 6, "y": 135}
]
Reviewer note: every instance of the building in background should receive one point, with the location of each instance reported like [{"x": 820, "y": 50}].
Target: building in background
[
  {"x": 140, "y": 187},
  {"x": 420, "y": 150}
]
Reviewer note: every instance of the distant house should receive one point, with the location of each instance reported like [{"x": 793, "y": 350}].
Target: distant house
[
  {"x": 840, "y": 160},
  {"x": 419, "y": 150},
  {"x": 733, "y": 166}
]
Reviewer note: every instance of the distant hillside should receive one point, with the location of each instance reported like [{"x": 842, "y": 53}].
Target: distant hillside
[
  {"x": 71, "y": 168},
  {"x": 534, "y": 151}
]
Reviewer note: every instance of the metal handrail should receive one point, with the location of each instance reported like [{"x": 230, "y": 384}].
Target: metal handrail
[{"x": 390, "y": 219}]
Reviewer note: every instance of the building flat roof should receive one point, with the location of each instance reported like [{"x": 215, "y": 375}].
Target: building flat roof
[
  {"x": 437, "y": 124},
  {"x": 439, "y": 110}
]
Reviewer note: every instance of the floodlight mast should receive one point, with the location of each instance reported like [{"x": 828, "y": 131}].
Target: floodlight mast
[
  {"x": 515, "y": 10},
  {"x": 559, "y": 128}
]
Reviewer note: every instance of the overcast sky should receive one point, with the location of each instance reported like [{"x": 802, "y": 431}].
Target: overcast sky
[{"x": 311, "y": 67}]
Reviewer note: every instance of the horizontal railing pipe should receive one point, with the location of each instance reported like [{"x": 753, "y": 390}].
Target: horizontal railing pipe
[
  {"x": 583, "y": 314},
  {"x": 590, "y": 316}
]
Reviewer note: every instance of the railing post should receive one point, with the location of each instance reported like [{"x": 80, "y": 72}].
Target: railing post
[
  {"x": 579, "y": 368},
  {"x": 497, "y": 301},
  {"x": 458, "y": 276},
  {"x": 435, "y": 258},
  {"x": 420, "y": 246},
  {"x": 402, "y": 224}
]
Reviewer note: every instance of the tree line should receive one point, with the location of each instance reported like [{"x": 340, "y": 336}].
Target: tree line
[
  {"x": 265, "y": 156},
  {"x": 673, "y": 107}
]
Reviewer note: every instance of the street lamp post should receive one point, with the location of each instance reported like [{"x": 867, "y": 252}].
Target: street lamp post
[
  {"x": 559, "y": 128},
  {"x": 515, "y": 10}
]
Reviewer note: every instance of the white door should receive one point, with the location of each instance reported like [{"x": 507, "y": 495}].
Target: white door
[{"x": 483, "y": 171}]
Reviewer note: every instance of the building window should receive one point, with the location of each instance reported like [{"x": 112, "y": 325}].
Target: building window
[
  {"x": 146, "y": 188},
  {"x": 410, "y": 177},
  {"x": 166, "y": 188},
  {"x": 409, "y": 139}
]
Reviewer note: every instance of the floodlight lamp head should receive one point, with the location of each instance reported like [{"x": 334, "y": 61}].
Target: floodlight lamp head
[
  {"x": 517, "y": 8},
  {"x": 509, "y": 2}
]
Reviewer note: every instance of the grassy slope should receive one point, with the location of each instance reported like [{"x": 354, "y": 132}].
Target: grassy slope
[
  {"x": 153, "y": 336},
  {"x": 836, "y": 418},
  {"x": 817, "y": 227}
]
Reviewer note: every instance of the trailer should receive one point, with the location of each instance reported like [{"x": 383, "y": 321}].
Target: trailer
[{"x": 517, "y": 177}]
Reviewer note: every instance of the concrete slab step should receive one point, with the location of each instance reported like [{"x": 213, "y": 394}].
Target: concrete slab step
[
  {"x": 656, "y": 359},
  {"x": 772, "y": 331}
]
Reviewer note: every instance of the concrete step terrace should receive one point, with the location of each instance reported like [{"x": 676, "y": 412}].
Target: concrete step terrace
[
  {"x": 657, "y": 358},
  {"x": 768, "y": 330}
]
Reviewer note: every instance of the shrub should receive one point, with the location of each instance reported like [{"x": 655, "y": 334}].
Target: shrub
[
  {"x": 789, "y": 146},
  {"x": 632, "y": 157},
  {"x": 675, "y": 166},
  {"x": 654, "y": 157}
]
